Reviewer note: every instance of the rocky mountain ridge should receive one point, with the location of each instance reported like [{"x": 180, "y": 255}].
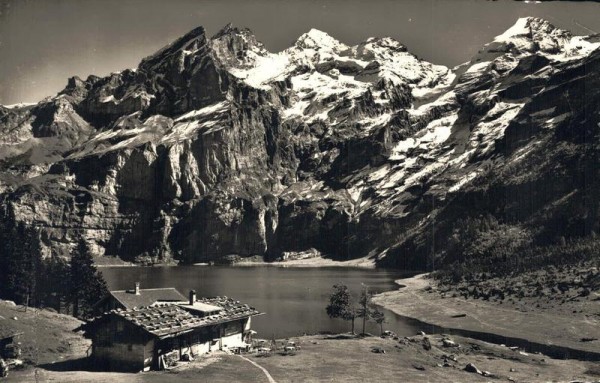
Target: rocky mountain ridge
[{"x": 216, "y": 146}]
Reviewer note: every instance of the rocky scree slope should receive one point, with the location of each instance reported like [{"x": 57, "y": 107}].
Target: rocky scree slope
[{"x": 216, "y": 146}]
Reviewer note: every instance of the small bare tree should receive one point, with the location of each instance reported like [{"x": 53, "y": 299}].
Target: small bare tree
[{"x": 364, "y": 309}]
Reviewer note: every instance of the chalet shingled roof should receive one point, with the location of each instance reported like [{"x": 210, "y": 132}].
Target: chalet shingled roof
[
  {"x": 147, "y": 297},
  {"x": 167, "y": 320}
]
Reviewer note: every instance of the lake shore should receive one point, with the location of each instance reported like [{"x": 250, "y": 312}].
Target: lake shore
[
  {"x": 364, "y": 263},
  {"x": 575, "y": 334}
]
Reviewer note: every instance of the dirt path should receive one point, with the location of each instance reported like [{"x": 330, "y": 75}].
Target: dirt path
[{"x": 269, "y": 377}]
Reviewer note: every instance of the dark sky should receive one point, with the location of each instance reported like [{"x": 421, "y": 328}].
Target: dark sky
[{"x": 43, "y": 42}]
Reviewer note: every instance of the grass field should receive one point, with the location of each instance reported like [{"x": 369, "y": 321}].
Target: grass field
[{"x": 50, "y": 347}]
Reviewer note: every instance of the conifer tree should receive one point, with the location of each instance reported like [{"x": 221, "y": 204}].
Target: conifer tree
[
  {"x": 19, "y": 261},
  {"x": 87, "y": 284},
  {"x": 53, "y": 283}
]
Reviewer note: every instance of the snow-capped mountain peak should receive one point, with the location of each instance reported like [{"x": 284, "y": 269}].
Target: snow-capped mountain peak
[
  {"x": 319, "y": 40},
  {"x": 534, "y": 35},
  {"x": 530, "y": 34},
  {"x": 529, "y": 27},
  {"x": 379, "y": 47},
  {"x": 216, "y": 146}
]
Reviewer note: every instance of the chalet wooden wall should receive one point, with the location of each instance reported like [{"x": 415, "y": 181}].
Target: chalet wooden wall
[{"x": 120, "y": 345}]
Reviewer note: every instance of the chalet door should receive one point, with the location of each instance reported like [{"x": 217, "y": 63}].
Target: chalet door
[{"x": 156, "y": 355}]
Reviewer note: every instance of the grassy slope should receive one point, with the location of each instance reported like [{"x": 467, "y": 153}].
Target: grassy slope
[
  {"x": 323, "y": 359},
  {"x": 47, "y": 336}
]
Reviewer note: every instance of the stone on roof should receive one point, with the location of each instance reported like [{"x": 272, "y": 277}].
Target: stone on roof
[{"x": 166, "y": 320}]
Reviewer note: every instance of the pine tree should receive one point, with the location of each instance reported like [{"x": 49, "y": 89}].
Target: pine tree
[
  {"x": 87, "y": 284},
  {"x": 54, "y": 279},
  {"x": 19, "y": 261},
  {"x": 11, "y": 258},
  {"x": 33, "y": 265}
]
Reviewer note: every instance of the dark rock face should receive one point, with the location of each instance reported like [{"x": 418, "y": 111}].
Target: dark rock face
[{"x": 215, "y": 147}]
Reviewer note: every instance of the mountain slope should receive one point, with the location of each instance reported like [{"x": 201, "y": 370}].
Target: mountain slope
[{"x": 216, "y": 146}]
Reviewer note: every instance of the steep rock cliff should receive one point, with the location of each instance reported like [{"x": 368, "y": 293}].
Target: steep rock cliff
[{"x": 216, "y": 146}]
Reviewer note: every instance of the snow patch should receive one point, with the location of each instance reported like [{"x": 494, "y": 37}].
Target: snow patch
[
  {"x": 214, "y": 108},
  {"x": 313, "y": 88},
  {"x": 19, "y": 105},
  {"x": 110, "y": 98},
  {"x": 265, "y": 69},
  {"x": 575, "y": 48},
  {"x": 431, "y": 136},
  {"x": 463, "y": 181},
  {"x": 520, "y": 28},
  {"x": 478, "y": 67},
  {"x": 379, "y": 173}
]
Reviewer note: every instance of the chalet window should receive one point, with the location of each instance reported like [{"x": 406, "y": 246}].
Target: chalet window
[
  {"x": 120, "y": 326},
  {"x": 130, "y": 347},
  {"x": 232, "y": 328}
]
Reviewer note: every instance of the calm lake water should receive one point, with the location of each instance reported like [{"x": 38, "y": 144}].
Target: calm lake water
[{"x": 293, "y": 299}]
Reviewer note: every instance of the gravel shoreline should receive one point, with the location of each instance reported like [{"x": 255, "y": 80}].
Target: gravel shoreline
[{"x": 418, "y": 299}]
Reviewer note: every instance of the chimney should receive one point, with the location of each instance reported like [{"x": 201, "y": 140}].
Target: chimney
[
  {"x": 192, "y": 296},
  {"x": 137, "y": 288}
]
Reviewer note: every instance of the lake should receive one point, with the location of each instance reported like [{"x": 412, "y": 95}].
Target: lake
[{"x": 294, "y": 299}]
